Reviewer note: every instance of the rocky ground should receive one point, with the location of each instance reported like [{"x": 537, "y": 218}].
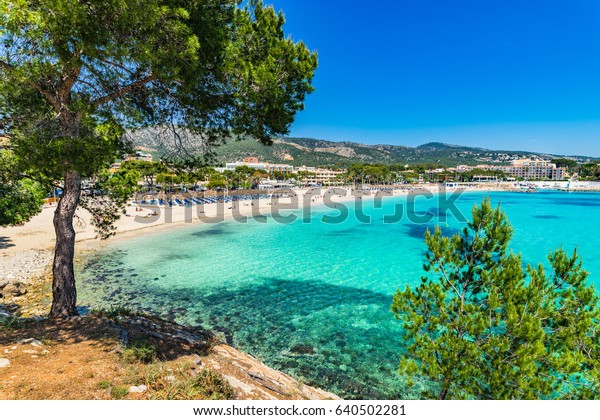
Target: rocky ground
[
  {"x": 117, "y": 354},
  {"x": 131, "y": 357},
  {"x": 18, "y": 271}
]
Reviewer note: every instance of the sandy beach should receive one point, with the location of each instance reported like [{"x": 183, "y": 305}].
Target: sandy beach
[
  {"x": 26, "y": 250},
  {"x": 38, "y": 233}
]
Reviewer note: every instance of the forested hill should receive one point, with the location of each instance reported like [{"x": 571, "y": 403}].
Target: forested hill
[{"x": 313, "y": 152}]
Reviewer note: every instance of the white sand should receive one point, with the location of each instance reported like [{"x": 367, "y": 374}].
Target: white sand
[{"x": 38, "y": 233}]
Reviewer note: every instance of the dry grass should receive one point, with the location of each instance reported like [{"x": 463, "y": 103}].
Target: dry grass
[
  {"x": 206, "y": 384},
  {"x": 80, "y": 360}
]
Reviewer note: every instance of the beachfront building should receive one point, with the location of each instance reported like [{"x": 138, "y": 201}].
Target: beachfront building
[
  {"x": 485, "y": 178},
  {"x": 273, "y": 185},
  {"x": 319, "y": 176},
  {"x": 280, "y": 167},
  {"x": 232, "y": 165},
  {"x": 534, "y": 169},
  {"x": 437, "y": 175},
  {"x": 530, "y": 169},
  {"x": 254, "y": 163},
  {"x": 139, "y": 155}
]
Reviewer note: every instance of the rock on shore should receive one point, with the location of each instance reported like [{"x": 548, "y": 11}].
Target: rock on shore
[{"x": 18, "y": 270}]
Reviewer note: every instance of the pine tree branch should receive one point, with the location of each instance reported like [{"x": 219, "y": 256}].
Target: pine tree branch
[
  {"x": 117, "y": 65},
  {"x": 47, "y": 94},
  {"x": 124, "y": 90}
]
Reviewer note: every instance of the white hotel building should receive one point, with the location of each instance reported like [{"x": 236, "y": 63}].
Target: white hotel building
[
  {"x": 315, "y": 176},
  {"x": 530, "y": 169},
  {"x": 255, "y": 164},
  {"x": 320, "y": 176},
  {"x": 534, "y": 169}
]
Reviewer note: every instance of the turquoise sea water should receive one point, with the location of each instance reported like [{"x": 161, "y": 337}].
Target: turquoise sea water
[{"x": 312, "y": 298}]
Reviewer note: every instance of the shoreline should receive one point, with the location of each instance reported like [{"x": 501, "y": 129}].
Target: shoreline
[
  {"x": 27, "y": 250},
  {"x": 38, "y": 233},
  {"x": 85, "y": 244}
]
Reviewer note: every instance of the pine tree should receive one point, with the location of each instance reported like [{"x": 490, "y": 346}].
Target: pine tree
[
  {"x": 480, "y": 325},
  {"x": 77, "y": 76}
]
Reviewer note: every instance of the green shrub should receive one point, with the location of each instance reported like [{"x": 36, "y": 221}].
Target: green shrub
[
  {"x": 139, "y": 351},
  {"x": 212, "y": 385},
  {"x": 103, "y": 385},
  {"x": 12, "y": 322},
  {"x": 118, "y": 392},
  {"x": 112, "y": 312}
]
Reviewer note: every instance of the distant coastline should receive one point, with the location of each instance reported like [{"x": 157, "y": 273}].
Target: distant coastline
[{"x": 38, "y": 233}]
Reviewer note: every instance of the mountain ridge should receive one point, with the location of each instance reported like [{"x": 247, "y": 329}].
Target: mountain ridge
[
  {"x": 314, "y": 152},
  {"x": 302, "y": 151}
]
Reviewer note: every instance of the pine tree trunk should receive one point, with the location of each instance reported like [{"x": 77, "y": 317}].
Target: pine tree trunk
[
  {"x": 64, "y": 295},
  {"x": 444, "y": 393}
]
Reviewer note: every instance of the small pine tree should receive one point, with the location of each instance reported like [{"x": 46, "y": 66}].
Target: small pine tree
[{"x": 481, "y": 326}]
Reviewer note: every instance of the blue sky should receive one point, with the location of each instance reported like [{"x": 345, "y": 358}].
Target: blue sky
[{"x": 521, "y": 75}]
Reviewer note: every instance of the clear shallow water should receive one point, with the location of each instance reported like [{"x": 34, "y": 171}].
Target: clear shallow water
[{"x": 313, "y": 299}]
